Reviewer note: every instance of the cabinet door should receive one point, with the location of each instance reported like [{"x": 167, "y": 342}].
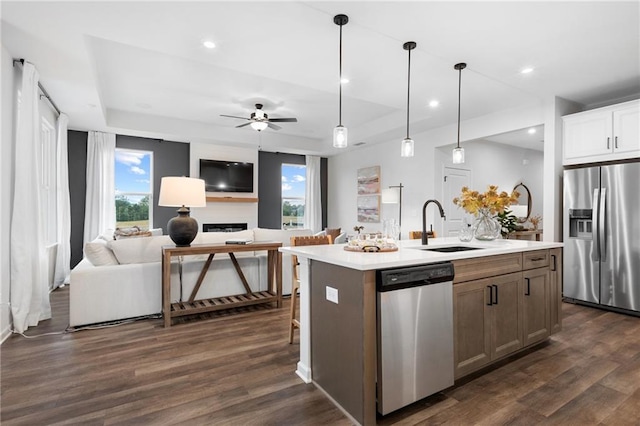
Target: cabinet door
[
  {"x": 506, "y": 330},
  {"x": 471, "y": 326},
  {"x": 586, "y": 135},
  {"x": 555, "y": 290},
  {"x": 626, "y": 129},
  {"x": 536, "y": 305}
]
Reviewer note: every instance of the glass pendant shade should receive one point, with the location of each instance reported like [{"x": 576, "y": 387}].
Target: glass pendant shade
[
  {"x": 458, "y": 155},
  {"x": 259, "y": 125},
  {"x": 406, "y": 149},
  {"x": 340, "y": 134}
]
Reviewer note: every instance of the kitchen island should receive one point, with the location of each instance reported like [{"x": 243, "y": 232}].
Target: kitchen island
[{"x": 339, "y": 335}]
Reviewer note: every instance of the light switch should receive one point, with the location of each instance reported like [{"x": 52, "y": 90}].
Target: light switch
[{"x": 332, "y": 294}]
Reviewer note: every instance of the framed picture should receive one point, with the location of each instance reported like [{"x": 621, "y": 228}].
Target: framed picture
[
  {"x": 369, "y": 208},
  {"x": 369, "y": 180}
]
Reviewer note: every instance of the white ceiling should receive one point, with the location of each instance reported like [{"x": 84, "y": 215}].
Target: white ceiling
[{"x": 140, "y": 68}]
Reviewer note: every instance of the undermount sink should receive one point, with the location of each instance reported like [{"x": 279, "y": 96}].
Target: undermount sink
[{"x": 450, "y": 249}]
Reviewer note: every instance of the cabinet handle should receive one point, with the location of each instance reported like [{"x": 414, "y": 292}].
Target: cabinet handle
[
  {"x": 615, "y": 143},
  {"x": 555, "y": 266},
  {"x": 537, "y": 259},
  {"x": 496, "y": 287},
  {"x": 528, "y": 292},
  {"x": 490, "y": 295},
  {"x": 608, "y": 143}
]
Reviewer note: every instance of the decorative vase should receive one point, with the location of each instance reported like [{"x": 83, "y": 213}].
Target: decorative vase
[{"x": 486, "y": 227}]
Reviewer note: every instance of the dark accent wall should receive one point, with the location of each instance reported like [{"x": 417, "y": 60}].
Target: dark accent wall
[
  {"x": 270, "y": 186},
  {"x": 77, "y": 156},
  {"x": 169, "y": 159}
]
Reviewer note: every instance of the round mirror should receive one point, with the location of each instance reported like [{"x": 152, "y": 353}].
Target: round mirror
[{"x": 522, "y": 210}]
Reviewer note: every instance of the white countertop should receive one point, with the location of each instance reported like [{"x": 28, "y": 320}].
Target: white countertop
[{"x": 408, "y": 253}]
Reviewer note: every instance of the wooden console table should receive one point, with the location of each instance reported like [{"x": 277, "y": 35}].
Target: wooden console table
[
  {"x": 526, "y": 235},
  {"x": 193, "y": 306}
]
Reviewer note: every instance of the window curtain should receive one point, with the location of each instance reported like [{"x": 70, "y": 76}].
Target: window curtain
[
  {"x": 63, "y": 256},
  {"x": 29, "y": 288},
  {"x": 313, "y": 203},
  {"x": 100, "y": 209}
]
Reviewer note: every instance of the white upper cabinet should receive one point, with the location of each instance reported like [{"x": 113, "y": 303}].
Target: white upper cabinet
[{"x": 603, "y": 134}]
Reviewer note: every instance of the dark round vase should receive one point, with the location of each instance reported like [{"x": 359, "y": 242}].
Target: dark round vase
[{"x": 182, "y": 229}]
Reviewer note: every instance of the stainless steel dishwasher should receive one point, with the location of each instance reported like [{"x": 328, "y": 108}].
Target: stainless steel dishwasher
[{"x": 415, "y": 333}]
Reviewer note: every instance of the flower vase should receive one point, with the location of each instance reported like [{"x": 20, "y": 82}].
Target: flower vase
[{"x": 486, "y": 227}]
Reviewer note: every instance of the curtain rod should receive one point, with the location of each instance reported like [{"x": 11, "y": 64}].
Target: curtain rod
[{"x": 45, "y": 94}]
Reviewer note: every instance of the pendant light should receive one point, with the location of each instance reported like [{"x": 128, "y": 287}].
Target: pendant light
[
  {"x": 340, "y": 132},
  {"x": 406, "y": 148},
  {"x": 458, "y": 153}
]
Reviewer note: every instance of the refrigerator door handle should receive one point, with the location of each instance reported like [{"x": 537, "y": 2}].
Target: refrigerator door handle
[
  {"x": 594, "y": 224},
  {"x": 602, "y": 217}
]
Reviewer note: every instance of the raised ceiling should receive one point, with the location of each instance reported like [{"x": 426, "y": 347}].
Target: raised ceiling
[{"x": 140, "y": 67}]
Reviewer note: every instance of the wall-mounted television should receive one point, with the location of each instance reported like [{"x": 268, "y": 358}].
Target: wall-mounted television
[{"x": 226, "y": 176}]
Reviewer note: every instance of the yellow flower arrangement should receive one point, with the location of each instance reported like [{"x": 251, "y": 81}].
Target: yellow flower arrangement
[{"x": 492, "y": 201}]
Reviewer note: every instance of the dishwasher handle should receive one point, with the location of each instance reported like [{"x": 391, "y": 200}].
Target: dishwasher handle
[{"x": 414, "y": 276}]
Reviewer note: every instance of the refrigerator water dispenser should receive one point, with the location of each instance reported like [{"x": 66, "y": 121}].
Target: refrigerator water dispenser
[{"x": 580, "y": 224}]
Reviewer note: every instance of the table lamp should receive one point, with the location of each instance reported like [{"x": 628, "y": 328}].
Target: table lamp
[{"x": 182, "y": 192}]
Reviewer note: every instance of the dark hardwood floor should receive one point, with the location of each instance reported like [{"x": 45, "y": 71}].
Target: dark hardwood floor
[{"x": 238, "y": 369}]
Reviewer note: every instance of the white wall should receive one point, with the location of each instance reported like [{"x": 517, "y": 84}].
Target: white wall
[
  {"x": 6, "y": 187},
  {"x": 506, "y": 166},
  {"x": 225, "y": 212},
  {"x": 418, "y": 174}
]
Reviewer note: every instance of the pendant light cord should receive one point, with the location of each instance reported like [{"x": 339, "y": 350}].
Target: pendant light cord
[
  {"x": 459, "y": 90},
  {"x": 340, "y": 82},
  {"x": 408, "y": 90}
]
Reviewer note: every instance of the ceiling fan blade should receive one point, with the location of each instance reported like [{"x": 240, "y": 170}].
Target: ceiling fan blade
[
  {"x": 234, "y": 116},
  {"x": 273, "y": 126},
  {"x": 283, "y": 120},
  {"x": 242, "y": 125}
]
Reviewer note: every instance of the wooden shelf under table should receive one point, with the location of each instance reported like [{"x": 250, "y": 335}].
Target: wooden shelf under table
[{"x": 193, "y": 306}]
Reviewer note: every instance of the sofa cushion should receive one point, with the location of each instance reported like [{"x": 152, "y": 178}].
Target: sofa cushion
[
  {"x": 139, "y": 250},
  {"x": 221, "y": 237},
  {"x": 99, "y": 254}
]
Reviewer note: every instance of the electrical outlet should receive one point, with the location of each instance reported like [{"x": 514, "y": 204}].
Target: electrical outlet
[{"x": 332, "y": 294}]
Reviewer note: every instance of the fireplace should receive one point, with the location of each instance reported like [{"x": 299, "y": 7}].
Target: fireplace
[{"x": 223, "y": 227}]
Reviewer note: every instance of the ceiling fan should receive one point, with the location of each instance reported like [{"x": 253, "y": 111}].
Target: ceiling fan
[{"x": 259, "y": 120}]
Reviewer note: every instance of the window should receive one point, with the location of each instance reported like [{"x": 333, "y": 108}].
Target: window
[
  {"x": 134, "y": 188},
  {"x": 293, "y": 195}
]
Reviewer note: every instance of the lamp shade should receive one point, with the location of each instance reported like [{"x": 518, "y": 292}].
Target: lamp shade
[
  {"x": 182, "y": 191},
  {"x": 390, "y": 196},
  {"x": 406, "y": 148}
]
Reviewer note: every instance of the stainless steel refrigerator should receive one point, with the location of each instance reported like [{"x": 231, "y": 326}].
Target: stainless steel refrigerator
[{"x": 602, "y": 236}]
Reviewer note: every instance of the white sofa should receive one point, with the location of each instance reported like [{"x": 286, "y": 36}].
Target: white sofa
[{"x": 128, "y": 282}]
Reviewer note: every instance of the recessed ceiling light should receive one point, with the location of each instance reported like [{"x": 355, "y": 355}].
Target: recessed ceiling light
[
  {"x": 209, "y": 44},
  {"x": 531, "y": 131},
  {"x": 344, "y": 80},
  {"x": 526, "y": 70},
  {"x": 434, "y": 103}
]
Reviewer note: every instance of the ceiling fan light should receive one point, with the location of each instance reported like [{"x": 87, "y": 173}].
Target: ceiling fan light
[
  {"x": 259, "y": 125},
  {"x": 340, "y": 134},
  {"x": 458, "y": 155},
  {"x": 406, "y": 148}
]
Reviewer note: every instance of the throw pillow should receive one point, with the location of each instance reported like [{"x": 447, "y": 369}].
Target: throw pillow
[
  {"x": 99, "y": 254},
  {"x": 134, "y": 231}
]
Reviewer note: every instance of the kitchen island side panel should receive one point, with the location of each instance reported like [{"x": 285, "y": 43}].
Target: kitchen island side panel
[{"x": 343, "y": 342}]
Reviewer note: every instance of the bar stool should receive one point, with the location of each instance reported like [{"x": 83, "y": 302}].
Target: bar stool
[{"x": 310, "y": 240}]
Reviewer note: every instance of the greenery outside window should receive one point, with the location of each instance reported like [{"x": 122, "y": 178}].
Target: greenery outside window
[
  {"x": 134, "y": 188},
  {"x": 293, "y": 195}
]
